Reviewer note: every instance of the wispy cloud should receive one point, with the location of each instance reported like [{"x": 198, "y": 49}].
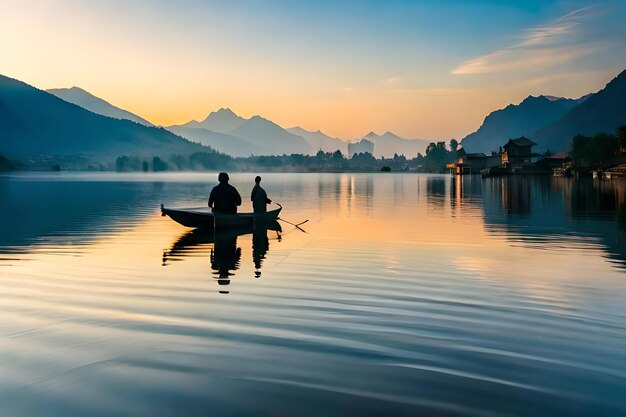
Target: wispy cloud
[
  {"x": 392, "y": 80},
  {"x": 544, "y": 46}
]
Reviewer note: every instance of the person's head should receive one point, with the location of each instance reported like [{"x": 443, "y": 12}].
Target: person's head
[
  {"x": 257, "y": 179},
  {"x": 222, "y": 177}
]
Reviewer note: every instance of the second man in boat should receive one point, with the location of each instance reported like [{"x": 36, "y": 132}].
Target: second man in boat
[{"x": 259, "y": 197}]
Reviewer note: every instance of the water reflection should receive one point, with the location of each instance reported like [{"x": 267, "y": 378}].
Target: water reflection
[
  {"x": 409, "y": 295},
  {"x": 35, "y": 212},
  {"x": 516, "y": 195},
  {"x": 225, "y": 257},
  {"x": 261, "y": 244},
  {"x": 220, "y": 246},
  {"x": 550, "y": 213}
]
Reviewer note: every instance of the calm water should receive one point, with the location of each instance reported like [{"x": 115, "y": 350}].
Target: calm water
[{"x": 407, "y": 295}]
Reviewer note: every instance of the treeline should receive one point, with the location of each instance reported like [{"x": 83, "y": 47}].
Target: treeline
[
  {"x": 198, "y": 161},
  {"x": 596, "y": 151},
  {"x": 437, "y": 155},
  {"x": 434, "y": 160},
  {"x": 599, "y": 151}
]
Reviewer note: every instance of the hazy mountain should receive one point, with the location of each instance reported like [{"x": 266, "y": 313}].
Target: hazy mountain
[
  {"x": 388, "y": 144},
  {"x": 517, "y": 120},
  {"x": 36, "y": 123},
  {"x": 604, "y": 111},
  {"x": 222, "y": 142},
  {"x": 271, "y": 138},
  {"x": 221, "y": 121},
  {"x": 319, "y": 140},
  {"x": 95, "y": 104}
]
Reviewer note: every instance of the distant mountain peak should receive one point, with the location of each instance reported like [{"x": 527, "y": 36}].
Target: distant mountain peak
[
  {"x": 603, "y": 111},
  {"x": 226, "y": 110},
  {"x": 223, "y": 120},
  {"x": 514, "y": 120},
  {"x": 86, "y": 100},
  {"x": 553, "y": 98},
  {"x": 260, "y": 119},
  {"x": 271, "y": 137},
  {"x": 388, "y": 134},
  {"x": 76, "y": 88},
  {"x": 222, "y": 113}
]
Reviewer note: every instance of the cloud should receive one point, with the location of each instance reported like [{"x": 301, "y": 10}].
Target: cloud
[
  {"x": 392, "y": 80},
  {"x": 559, "y": 42}
]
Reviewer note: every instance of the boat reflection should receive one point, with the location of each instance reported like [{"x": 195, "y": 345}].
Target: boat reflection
[{"x": 224, "y": 252}]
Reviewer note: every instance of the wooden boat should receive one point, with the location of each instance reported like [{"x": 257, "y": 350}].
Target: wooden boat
[{"x": 205, "y": 218}]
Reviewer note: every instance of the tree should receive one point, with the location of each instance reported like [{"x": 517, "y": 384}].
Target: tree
[
  {"x": 621, "y": 139},
  {"x": 6, "y": 164},
  {"x": 436, "y": 157},
  {"x": 579, "y": 143},
  {"x": 594, "y": 151},
  {"x": 337, "y": 155},
  {"x": 158, "y": 164},
  {"x": 454, "y": 145}
]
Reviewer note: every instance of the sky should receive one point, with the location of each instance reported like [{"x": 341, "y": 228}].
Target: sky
[{"x": 429, "y": 69}]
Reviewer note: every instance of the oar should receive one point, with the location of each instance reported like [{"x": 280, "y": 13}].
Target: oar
[{"x": 293, "y": 224}]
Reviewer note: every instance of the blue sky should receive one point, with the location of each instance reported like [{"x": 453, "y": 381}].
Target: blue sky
[{"x": 429, "y": 69}]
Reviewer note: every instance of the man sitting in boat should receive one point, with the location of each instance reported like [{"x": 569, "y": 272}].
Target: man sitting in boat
[
  {"x": 259, "y": 197},
  {"x": 224, "y": 197}
]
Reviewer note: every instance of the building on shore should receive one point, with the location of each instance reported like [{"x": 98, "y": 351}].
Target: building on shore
[
  {"x": 473, "y": 163},
  {"x": 518, "y": 154},
  {"x": 362, "y": 146}
]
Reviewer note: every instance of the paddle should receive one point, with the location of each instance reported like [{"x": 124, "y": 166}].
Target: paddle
[{"x": 293, "y": 224}]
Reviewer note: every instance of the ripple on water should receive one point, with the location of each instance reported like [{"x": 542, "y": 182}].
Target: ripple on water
[{"x": 409, "y": 295}]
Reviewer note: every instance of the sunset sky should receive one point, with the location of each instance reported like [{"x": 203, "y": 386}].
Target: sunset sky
[{"x": 422, "y": 69}]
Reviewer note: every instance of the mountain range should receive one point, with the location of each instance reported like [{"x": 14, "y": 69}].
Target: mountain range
[
  {"x": 222, "y": 121},
  {"x": 34, "y": 123},
  {"x": 73, "y": 122},
  {"x": 552, "y": 122},
  {"x": 320, "y": 141},
  {"x": 388, "y": 144},
  {"x": 232, "y": 134},
  {"x": 604, "y": 111},
  {"x": 516, "y": 120}
]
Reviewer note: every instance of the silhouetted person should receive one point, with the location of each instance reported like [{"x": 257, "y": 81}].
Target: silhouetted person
[
  {"x": 259, "y": 197},
  {"x": 224, "y": 197}
]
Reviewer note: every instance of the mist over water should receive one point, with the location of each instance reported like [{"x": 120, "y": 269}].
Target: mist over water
[{"x": 407, "y": 295}]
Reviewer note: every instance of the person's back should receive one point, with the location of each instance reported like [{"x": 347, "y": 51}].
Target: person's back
[
  {"x": 259, "y": 197},
  {"x": 224, "y": 197}
]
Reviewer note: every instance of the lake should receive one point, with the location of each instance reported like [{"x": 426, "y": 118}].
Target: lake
[{"x": 404, "y": 295}]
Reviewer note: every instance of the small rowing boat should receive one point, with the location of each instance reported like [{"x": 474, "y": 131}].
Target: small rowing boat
[{"x": 205, "y": 218}]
